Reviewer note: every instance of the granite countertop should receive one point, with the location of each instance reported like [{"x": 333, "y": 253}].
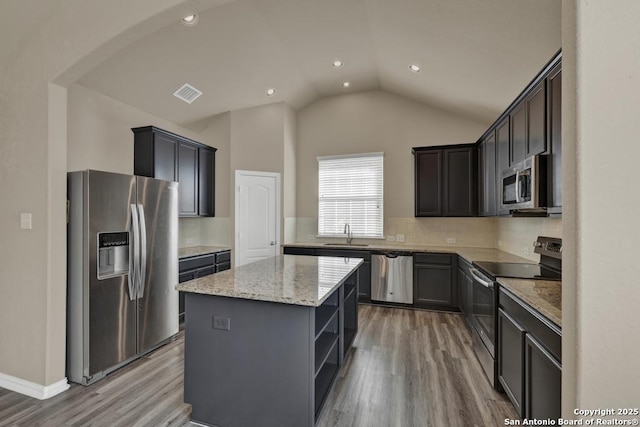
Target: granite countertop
[
  {"x": 545, "y": 296},
  {"x": 470, "y": 254},
  {"x": 288, "y": 279},
  {"x": 200, "y": 250}
]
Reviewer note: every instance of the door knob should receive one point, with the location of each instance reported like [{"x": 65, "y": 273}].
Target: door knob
[{"x": 272, "y": 243}]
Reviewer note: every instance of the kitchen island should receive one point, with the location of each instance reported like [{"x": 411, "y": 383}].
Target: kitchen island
[{"x": 265, "y": 341}]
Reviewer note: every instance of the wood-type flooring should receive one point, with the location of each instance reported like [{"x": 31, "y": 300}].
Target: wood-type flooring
[{"x": 408, "y": 368}]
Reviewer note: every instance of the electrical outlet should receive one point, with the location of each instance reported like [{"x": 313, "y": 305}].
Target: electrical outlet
[
  {"x": 189, "y": 241},
  {"x": 500, "y": 243},
  {"x": 451, "y": 240},
  {"x": 311, "y": 237},
  {"x": 222, "y": 323},
  {"x": 400, "y": 238},
  {"x": 391, "y": 238},
  {"x": 25, "y": 221},
  {"x": 526, "y": 250}
]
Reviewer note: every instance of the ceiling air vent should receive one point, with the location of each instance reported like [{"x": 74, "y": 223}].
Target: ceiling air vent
[{"x": 187, "y": 93}]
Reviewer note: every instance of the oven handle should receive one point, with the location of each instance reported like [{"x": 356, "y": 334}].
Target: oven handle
[{"x": 479, "y": 279}]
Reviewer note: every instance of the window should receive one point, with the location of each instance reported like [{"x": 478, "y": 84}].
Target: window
[{"x": 350, "y": 191}]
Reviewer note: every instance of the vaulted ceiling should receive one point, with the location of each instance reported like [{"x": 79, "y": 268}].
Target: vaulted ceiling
[{"x": 475, "y": 55}]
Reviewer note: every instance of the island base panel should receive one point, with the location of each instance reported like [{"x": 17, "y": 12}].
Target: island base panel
[{"x": 256, "y": 373}]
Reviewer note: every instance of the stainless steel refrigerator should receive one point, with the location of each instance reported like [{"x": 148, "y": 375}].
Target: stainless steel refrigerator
[{"x": 122, "y": 266}]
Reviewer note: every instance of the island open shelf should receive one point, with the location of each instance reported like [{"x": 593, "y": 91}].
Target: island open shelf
[{"x": 254, "y": 359}]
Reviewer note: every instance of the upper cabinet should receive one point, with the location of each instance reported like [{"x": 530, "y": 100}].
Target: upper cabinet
[
  {"x": 530, "y": 126},
  {"x": 445, "y": 180},
  {"x": 165, "y": 155},
  {"x": 488, "y": 202},
  {"x": 554, "y": 134},
  {"x": 536, "y": 121}
]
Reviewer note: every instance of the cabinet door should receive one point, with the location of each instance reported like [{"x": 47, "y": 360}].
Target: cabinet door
[
  {"x": 433, "y": 286},
  {"x": 487, "y": 162},
  {"x": 428, "y": 182},
  {"x": 462, "y": 297},
  {"x": 543, "y": 382},
  {"x": 519, "y": 133},
  {"x": 511, "y": 338},
  {"x": 164, "y": 156},
  {"x": 554, "y": 128},
  {"x": 503, "y": 161},
  {"x": 459, "y": 182},
  {"x": 536, "y": 121},
  {"x": 206, "y": 181},
  {"x": 188, "y": 179}
]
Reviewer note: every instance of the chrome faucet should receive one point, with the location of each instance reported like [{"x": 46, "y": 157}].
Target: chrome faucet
[{"x": 347, "y": 231}]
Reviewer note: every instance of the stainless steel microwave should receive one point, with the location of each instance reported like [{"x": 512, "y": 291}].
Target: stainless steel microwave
[{"x": 524, "y": 185}]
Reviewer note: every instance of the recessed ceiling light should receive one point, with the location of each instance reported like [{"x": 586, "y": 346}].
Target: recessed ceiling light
[
  {"x": 415, "y": 68},
  {"x": 337, "y": 63},
  {"x": 346, "y": 84},
  {"x": 190, "y": 20},
  {"x": 271, "y": 92}
]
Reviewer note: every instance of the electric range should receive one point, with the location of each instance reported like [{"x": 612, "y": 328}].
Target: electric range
[{"x": 484, "y": 295}]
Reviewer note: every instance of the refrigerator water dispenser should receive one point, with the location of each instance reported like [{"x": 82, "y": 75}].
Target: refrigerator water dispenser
[{"x": 113, "y": 254}]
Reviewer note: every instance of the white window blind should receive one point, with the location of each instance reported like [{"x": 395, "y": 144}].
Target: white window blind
[{"x": 350, "y": 190}]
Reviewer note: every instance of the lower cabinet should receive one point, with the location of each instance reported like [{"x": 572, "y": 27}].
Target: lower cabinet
[
  {"x": 434, "y": 285},
  {"x": 511, "y": 359},
  {"x": 199, "y": 266},
  {"x": 543, "y": 381},
  {"x": 529, "y": 351}
]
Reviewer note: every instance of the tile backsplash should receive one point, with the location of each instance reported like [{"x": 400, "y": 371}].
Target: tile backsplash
[
  {"x": 514, "y": 235},
  {"x": 204, "y": 231}
]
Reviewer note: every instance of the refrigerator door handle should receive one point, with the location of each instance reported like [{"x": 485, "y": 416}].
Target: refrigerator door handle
[
  {"x": 143, "y": 252},
  {"x": 134, "y": 254}
]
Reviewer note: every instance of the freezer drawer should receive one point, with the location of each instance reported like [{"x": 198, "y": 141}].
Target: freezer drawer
[{"x": 392, "y": 277}]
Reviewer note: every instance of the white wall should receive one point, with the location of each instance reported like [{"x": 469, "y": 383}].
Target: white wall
[
  {"x": 369, "y": 122},
  {"x": 601, "y": 293},
  {"x": 33, "y": 173}
]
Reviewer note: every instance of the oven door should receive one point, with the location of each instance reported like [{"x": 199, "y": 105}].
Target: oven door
[{"x": 484, "y": 309}]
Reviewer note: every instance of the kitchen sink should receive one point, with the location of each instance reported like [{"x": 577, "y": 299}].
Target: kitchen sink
[{"x": 346, "y": 244}]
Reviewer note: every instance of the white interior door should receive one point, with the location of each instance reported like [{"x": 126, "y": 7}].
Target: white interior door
[{"x": 257, "y": 216}]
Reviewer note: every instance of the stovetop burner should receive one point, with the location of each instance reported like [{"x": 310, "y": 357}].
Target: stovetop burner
[
  {"x": 518, "y": 271},
  {"x": 549, "y": 268}
]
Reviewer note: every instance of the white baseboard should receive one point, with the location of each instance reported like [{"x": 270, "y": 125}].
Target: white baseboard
[{"x": 32, "y": 389}]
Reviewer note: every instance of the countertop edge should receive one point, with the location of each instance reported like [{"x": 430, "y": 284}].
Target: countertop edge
[
  {"x": 504, "y": 282},
  {"x": 195, "y": 251}
]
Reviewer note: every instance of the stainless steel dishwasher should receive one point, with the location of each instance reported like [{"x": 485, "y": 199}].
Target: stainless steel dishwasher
[{"x": 392, "y": 277}]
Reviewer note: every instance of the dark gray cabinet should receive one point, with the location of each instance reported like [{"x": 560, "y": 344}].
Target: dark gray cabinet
[
  {"x": 488, "y": 203},
  {"x": 543, "y": 382},
  {"x": 206, "y": 180},
  {"x": 188, "y": 179},
  {"x": 529, "y": 351},
  {"x": 518, "y": 146},
  {"x": 554, "y": 129},
  {"x": 165, "y": 155},
  {"x": 502, "y": 159},
  {"x": 364, "y": 272},
  {"x": 445, "y": 181},
  {"x": 190, "y": 268},
  {"x": 511, "y": 359},
  {"x": 434, "y": 281},
  {"x": 536, "y": 120}
]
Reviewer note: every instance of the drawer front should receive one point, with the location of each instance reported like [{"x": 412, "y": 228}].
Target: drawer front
[
  {"x": 223, "y": 257},
  {"x": 535, "y": 324},
  {"x": 185, "y": 277},
  {"x": 222, "y": 267},
  {"x": 444, "y": 259},
  {"x": 205, "y": 271},
  {"x": 193, "y": 263}
]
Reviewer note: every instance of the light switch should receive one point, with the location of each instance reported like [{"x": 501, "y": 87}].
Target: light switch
[
  {"x": 400, "y": 238},
  {"x": 25, "y": 221}
]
